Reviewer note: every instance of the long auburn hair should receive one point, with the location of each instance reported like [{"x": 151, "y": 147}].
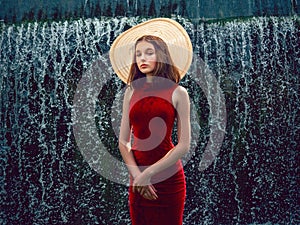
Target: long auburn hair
[{"x": 164, "y": 65}]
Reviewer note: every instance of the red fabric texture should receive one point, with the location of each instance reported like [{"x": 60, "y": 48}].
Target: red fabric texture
[{"x": 146, "y": 104}]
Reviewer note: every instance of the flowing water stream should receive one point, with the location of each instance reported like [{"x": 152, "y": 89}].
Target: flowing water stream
[{"x": 46, "y": 180}]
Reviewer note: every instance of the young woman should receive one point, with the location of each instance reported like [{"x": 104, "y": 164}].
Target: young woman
[{"x": 153, "y": 101}]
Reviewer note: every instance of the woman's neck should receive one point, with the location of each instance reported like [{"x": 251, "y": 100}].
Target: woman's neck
[{"x": 149, "y": 78}]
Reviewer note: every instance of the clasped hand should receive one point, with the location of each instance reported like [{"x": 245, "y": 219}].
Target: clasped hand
[{"x": 142, "y": 185}]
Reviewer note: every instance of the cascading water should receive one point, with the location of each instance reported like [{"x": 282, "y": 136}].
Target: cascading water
[{"x": 46, "y": 180}]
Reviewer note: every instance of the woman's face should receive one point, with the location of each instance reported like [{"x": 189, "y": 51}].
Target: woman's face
[{"x": 145, "y": 57}]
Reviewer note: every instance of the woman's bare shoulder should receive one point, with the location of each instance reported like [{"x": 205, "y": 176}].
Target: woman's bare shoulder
[
  {"x": 128, "y": 93},
  {"x": 180, "y": 91},
  {"x": 180, "y": 94}
]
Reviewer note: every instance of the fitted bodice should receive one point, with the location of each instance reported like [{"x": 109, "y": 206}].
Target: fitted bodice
[{"x": 152, "y": 117}]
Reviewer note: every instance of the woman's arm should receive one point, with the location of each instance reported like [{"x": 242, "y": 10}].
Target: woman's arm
[
  {"x": 182, "y": 104},
  {"x": 124, "y": 137},
  {"x": 148, "y": 191}
]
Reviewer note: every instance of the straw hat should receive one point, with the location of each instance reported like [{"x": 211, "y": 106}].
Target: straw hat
[{"x": 171, "y": 32}]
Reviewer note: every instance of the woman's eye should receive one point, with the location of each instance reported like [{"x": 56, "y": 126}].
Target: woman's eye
[{"x": 150, "y": 53}]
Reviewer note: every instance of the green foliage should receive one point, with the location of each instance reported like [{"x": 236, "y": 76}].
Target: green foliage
[
  {"x": 152, "y": 10},
  {"x": 108, "y": 11},
  {"x": 120, "y": 9}
]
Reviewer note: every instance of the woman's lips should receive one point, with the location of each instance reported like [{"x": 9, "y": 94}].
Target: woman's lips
[{"x": 143, "y": 65}]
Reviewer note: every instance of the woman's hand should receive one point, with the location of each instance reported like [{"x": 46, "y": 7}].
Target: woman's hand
[{"x": 142, "y": 185}]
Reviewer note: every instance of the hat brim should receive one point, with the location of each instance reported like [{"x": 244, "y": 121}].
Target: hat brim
[{"x": 171, "y": 32}]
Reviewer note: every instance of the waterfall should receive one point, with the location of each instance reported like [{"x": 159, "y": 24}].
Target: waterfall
[{"x": 46, "y": 180}]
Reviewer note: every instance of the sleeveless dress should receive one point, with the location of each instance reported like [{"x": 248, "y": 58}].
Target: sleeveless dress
[{"x": 151, "y": 141}]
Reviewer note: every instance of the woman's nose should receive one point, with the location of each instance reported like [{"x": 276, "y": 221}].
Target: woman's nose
[{"x": 143, "y": 58}]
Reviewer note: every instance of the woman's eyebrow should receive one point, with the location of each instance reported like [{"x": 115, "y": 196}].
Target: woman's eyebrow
[{"x": 147, "y": 49}]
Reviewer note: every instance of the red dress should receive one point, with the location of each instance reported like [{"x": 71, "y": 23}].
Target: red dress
[{"x": 152, "y": 140}]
